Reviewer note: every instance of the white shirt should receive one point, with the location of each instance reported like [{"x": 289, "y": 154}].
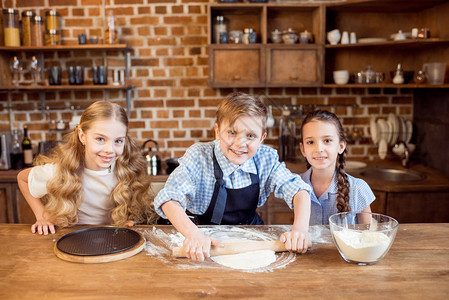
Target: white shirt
[{"x": 97, "y": 204}]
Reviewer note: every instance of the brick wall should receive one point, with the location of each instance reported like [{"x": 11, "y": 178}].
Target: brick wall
[{"x": 172, "y": 102}]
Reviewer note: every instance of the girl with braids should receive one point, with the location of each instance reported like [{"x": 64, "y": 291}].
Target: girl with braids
[
  {"x": 96, "y": 176},
  {"x": 323, "y": 144}
]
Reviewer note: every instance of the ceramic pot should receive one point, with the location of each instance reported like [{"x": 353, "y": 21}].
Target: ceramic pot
[{"x": 334, "y": 36}]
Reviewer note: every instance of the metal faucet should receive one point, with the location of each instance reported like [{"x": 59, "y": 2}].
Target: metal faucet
[{"x": 406, "y": 156}]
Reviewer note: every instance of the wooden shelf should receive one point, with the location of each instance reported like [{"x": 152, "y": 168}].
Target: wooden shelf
[
  {"x": 48, "y": 88},
  {"x": 385, "y": 85},
  {"x": 119, "y": 47},
  {"x": 402, "y": 44}
]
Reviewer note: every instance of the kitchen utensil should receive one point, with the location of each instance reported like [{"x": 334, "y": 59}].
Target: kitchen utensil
[
  {"x": 334, "y": 36},
  {"x": 276, "y": 36},
  {"x": 383, "y": 149},
  {"x": 100, "y": 74},
  {"x": 54, "y": 75},
  {"x": 152, "y": 158},
  {"x": 353, "y": 38},
  {"x": 290, "y": 36},
  {"x": 239, "y": 247},
  {"x": 354, "y": 165},
  {"x": 435, "y": 72},
  {"x": 341, "y": 76},
  {"x": 172, "y": 164},
  {"x": 375, "y": 135},
  {"x": 362, "y": 238},
  {"x": 395, "y": 128},
  {"x": 345, "y": 37},
  {"x": 99, "y": 244},
  {"x": 409, "y": 125},
  {"x": 270, "y": 118}
]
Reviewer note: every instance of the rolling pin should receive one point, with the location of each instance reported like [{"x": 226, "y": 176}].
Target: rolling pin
[{"x": 239, "y": 247}]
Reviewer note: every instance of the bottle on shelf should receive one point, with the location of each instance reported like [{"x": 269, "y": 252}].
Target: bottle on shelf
[
  {"x": 11, "y": 27},
  {"x": 399, "y": 75},
  {"x": 219, "y": 28},
  {"x": 27, "y": 149},
  {"x": 110, "y": 36},
  {"x": 16, "y": 151}
]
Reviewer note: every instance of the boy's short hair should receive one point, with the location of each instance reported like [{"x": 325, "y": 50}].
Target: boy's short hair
[{"x": 238, "y": 104}]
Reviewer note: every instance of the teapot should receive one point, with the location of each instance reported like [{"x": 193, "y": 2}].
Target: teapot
[{"x": 152, "y": 157}]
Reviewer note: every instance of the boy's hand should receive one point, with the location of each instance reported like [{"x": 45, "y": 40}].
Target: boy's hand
[
  {"x": 296, "y": 241},
  {"x": 197, "y": 246},
  {"x": 43, "y": 226}
]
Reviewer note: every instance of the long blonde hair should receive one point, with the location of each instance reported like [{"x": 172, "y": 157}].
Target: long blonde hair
[{"x": 132, "y": 195}]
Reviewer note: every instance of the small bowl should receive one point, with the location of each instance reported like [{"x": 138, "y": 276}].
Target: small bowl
[
  {"x": 341, "y": 76},
  {"x": 363, "y": 238}
]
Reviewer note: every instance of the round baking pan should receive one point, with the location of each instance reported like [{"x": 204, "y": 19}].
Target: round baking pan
[{"x": 99, "y": 244}]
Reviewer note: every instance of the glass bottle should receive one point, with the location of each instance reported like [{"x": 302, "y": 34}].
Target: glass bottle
[
  {"x": 110, "y": 36},
  {"x": 16, "y": 69},
  {"x": 27, "y": 148},
  {"x": 16, "y": 151},
  {"x": 35, "y": 70},
  {"x": 398, "y": 76},
  {"x": 11, "y": 27},
  {"x": 219, "y": 27}
]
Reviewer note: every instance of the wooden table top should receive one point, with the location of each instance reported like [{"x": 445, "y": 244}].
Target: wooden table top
[{"x": 417, "y": 266}]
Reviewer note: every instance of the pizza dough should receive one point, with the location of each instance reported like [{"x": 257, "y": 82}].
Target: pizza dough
[{"x": 247, "y": 260}]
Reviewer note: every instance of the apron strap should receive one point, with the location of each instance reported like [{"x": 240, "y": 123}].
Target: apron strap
[{"x": 219, "y": 191}]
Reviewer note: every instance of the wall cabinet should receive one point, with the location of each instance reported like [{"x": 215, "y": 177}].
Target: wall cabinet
[
  {"x": 281, "y": 65},
  {"x": 266, "y": 64},
  {"x": 44, "y": 53}
]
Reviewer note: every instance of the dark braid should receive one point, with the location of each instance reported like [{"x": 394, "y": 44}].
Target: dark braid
[
  {"x": 342, "y": 184},
  {"x": 342, "y": 178}
]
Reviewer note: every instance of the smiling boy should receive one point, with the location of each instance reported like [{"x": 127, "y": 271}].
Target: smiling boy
[{"x": 225, "y": 181}]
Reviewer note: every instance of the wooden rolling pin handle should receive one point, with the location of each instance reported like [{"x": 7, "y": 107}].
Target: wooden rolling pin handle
[{"x": 234, "y": 248}]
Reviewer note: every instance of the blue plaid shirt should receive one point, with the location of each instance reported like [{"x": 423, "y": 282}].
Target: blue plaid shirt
[
  {"x": 192, "y": 183},
  {"x": 360, "y": 196}
]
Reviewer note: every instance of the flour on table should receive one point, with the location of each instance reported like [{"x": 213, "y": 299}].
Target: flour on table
[{"x": 247, "y": 260}]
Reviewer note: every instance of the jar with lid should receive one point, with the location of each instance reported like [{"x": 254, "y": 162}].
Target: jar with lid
[
  {"x": 219, "y": 27},
  {"x": 110, "y": 35},
  {"x": 53, "y": 37},
  {"x": 249, "y": 36},
  {"x": 11, "y": 27},
  {"x": 27, "y": 17},
  {"x": 37, "y": 31},
  {"x": 52, "y": 20}
]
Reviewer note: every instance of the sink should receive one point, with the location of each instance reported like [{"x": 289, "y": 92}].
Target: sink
[{"x": 393, "y": 174}]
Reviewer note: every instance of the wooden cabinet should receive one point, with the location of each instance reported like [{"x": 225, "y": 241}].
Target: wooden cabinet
[
  {"x": 381, "y": 19},
  {"x": 46, "y": 53},
  {"x": 266, "y": 64},
  {"x": 313, "y": 64},
  {"x": 413, "y": 207},
  {"x": 13, "y": 206}
]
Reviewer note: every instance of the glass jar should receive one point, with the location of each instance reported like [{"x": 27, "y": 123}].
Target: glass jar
[
  {"x": 53, "y": 37},
  {"x": 219, "y": 27},
  {"x": 37, "y": 31},
  {"x": 11, "y": 27},
  {"x": 52, "y": 20},
  {"x": 27, "y": 16},
  {"x": 110, "y": 36}
]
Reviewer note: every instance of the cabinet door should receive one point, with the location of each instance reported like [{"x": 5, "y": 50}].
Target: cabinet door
[
  {"x": 6, "y": 207},
  {"x": 24, "y": 213},
  {"x": 294, "y": 65},
  {"x": 236, "y": 66}
]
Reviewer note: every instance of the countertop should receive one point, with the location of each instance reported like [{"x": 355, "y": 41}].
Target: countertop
[{"x": 416, "y": 267}]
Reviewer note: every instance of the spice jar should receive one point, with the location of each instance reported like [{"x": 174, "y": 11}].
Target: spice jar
[
  {"x": 249, "y": 36},
  {"x": 37, "y": 31},
  {"x": 11, "y": 27},
  {"x": 53, "y": 37},
  {"x": 27, "y": 16},
  {"x": 52, "y": 20}
]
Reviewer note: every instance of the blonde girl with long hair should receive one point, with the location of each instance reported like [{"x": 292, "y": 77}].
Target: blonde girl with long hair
[{"x": 96, "y": 176}]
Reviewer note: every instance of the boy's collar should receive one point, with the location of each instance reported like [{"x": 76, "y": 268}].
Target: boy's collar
[{"x": 228, "y": 167}]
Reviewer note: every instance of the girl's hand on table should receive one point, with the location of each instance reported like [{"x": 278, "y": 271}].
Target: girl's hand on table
[
  {"x": 296, "y": 241},
  {"x": 43, "y": 226},
  {"x": 197, "y": 246}
]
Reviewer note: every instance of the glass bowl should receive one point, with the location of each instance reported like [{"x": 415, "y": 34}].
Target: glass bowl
[{"x": 362, "y": 238}]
